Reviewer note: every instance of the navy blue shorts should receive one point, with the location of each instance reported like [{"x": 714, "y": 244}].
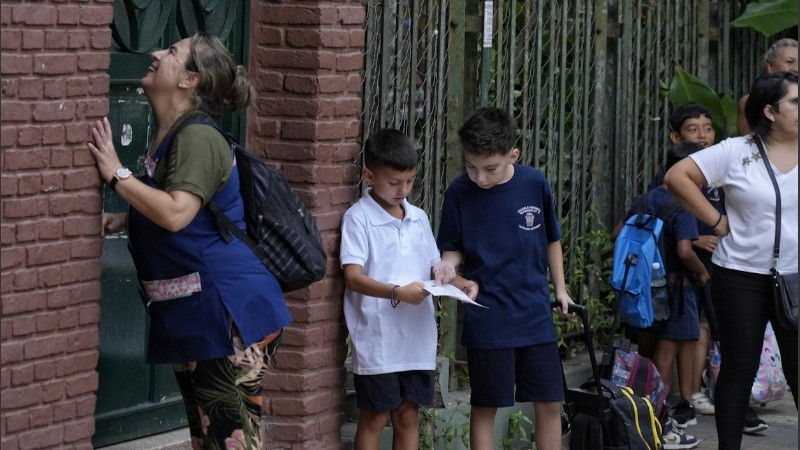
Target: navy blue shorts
[
  {"x": 386, "y": 391},
  {"x": 526, "y": 374},
  {"x": 682, "y": 326}
]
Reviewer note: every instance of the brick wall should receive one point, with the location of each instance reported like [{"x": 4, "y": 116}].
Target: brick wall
[
  {"x": 54, "y": 82},
  {"x": 306, "y": 59}
]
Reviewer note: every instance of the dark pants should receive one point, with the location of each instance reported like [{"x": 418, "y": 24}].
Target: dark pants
[{"x": 743, "y": 304}]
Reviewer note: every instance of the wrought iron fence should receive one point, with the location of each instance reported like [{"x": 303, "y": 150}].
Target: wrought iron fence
[{"x": 585, "y": 80}]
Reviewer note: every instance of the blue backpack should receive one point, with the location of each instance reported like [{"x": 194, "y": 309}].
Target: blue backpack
[{"x": 635, "y": 250}]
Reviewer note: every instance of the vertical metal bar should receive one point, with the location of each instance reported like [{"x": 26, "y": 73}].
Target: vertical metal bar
[
  {"x": 386, "y": 64},
  {"x": 455, "y": 114},
  {"x": 486, "y": 49}
]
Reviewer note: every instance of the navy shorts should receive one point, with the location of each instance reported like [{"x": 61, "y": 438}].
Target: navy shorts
[
  {"x": 683, "y": 324},
  {"x": 386, "y": 391},
  {"x": 526, "y": 374}
]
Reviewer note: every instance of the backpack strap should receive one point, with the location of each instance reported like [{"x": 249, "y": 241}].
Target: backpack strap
[{"x": 227, "y": 228}]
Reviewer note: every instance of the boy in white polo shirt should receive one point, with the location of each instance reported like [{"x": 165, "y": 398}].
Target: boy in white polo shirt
[{"x": 387, "y": 249}]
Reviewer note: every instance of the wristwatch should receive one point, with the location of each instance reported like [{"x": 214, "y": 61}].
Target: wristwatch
[{"x": 123, "y": 173}]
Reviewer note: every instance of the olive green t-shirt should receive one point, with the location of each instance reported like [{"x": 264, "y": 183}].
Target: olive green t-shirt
[{"x": 199, "y": 161}]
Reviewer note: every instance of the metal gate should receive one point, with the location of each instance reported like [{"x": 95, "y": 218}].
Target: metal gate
[{"x": 583, "y": 78}]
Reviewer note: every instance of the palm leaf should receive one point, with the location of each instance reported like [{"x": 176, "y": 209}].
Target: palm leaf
[{"x": 768, "y": 16}]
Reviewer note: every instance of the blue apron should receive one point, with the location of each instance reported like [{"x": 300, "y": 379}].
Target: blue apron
[{"x": 196, "y": 286}]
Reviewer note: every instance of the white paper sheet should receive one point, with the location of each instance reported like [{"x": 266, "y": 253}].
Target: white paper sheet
[{"x": 450, "y": 291}]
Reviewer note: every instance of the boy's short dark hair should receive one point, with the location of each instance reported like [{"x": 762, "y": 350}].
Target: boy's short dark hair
[
  {"x": 680, "y": 151},
  {"x": 488, "y": 131},
  {"x": 390, "y": 148},
  {"x": 686, "y": 111}
]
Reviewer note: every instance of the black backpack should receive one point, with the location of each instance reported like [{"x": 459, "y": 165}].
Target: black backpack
[{"x": 280, "y": 230}]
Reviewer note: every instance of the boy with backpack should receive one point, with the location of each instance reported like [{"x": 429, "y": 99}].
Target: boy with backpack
[
  {"x": 387, "y": 249},
  {"x": 499, "y": 220}
]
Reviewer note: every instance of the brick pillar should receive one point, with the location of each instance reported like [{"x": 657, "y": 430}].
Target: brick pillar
[
  {"x": 306, "y": 61},
  {"x": 54, "y": 84}
]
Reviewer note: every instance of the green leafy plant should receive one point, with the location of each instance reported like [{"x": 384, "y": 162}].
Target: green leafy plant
[
  {"x": 686, "y": 88},
  {"x": 768, "y": 17},
  {"x": 519, "y": 433},
  {"x": 435, "y": 431}
]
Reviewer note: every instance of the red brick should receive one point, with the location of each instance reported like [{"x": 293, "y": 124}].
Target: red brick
[
  {"x": 9, "y": 88},
  {"x": 79, "y": 39},
  {"x": 82, "y": 384},
  {"x": 52, "y": 436},
  {"x": 358, "y": 38},
  {"x": 267, "y": 36},
  {"x": 12, "y": 257},
  {"x": 101, "y": 39},
  {"x": 96, "y": 15},
  {"x": 94, "y": 61},
  {"x": 79, "y": 179},
  {"x": 54, "y": 89},
  {"x": 76, "y": 203},
  {"x": 77, "y": 87},
  {"x": 354, "y": 82},
  {"x": 90, "y": 109},
  {"x": 17, "y": 421},
  {"x": 49, "y": 253},
  {"x": 77, "y": 363},
  {"x": 50, "y": 277},
  {"x": 81, "y": 226},
  {"x": 79, "y": 429},
  {"x": 347, "y": 107},
  {"x": 295, "y": 58},
  {"x": 351, "y": 15},
  {"x": 54, "y": 111},
  {"x": 63, "y": 411},
  {"x": 32, "y": 39},
  {"x": 23, "y": 302},
  {"x": 85, "y": 405},
  {"x": 10, "y": 39},
  {"x": 31, "y": 88},
  {"x": 53, "y": 390},
  {"x": 22, "y": 326},
  {"x": 44, "y": 371},
  {"x": 304, "y": 37},
  {"x": 29, "y": 136},
  {"x": 293, "y": 15},
  {"x": 34, "y": 14},
  {"x": 68, "y": 15},
  {"x": 349, "y": 61},
  {"x": 16, "y": 398},
  {"x": 22, "y": 374},
  {"x": 42, "y": 346},
  {"x": 46, "y": 321},
  {"x": 15, "y": 112},
  {"x": 89, "y": 314},
  {"x": 52, "y": 134},
  {"x": 56, "y": 39},
  {"x": 55, "y": 64},
  {"x": 8, "y": 136},
  {"x": 12, "y": 64},
  {"x": 68, "y": 318}
]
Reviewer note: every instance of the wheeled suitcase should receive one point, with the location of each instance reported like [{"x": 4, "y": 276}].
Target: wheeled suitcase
[{"x": 595, "y": 423}]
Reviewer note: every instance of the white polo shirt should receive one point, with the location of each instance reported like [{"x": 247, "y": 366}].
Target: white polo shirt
[{"x": 386, "y": 339}]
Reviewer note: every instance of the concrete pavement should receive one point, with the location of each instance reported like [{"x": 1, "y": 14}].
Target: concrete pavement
[{"x": 781, "y": 416}]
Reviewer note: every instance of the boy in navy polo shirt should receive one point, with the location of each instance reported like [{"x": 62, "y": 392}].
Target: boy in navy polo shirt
[
  {"x": 499, "y": 224},
  {"x": 388, "y": 248}
]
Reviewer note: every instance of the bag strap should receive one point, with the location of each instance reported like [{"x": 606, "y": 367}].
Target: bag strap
[
  {"x": 227, "y": 228},
  {"x": 777, "y": 247}
]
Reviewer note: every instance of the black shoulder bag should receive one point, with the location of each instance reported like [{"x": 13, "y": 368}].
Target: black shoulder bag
[{"x": 784, "y": 285}]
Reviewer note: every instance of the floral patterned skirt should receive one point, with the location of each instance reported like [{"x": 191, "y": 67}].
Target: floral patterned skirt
[{"x": 222, "y": 396}]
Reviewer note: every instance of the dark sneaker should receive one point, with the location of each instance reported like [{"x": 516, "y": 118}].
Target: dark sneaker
[
  {"x": 684, "y": 415},
  {"x": 676, "y": 439},
  {"x": 752, "y": 423}
]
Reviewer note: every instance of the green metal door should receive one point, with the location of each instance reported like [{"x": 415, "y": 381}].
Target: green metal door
[{"x": 135, "y": 399}]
